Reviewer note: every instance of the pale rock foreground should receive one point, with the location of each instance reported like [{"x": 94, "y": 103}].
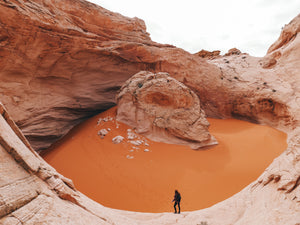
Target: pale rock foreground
[
  {"x": 32, "y": 192},
  {"x": 164, "y": 110}
]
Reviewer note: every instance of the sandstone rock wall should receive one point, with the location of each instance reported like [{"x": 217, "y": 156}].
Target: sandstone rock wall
[{"x": 63, "y": 61}]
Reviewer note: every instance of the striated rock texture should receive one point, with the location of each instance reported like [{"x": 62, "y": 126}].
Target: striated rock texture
[
  {"x": 62, "y": 61},
  {"x": 207, "y": 54},
  {"x": 32, "y": 192},
  {"x": 266, "y": 90},
  {"x": 163, "y": 109}
]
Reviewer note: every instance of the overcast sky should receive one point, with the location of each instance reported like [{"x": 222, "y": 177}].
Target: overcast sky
[{"x": 249, "y": 25}]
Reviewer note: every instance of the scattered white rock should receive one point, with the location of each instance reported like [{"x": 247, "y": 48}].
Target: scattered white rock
[
  {"x": 99, "y": 121},
  {"x": 118, "y": 139},
  {"x": 131, "y": 136},
  {"x": 146, "y": 144},
  {"x": 108, "y": 129},
  {"x": 102, "y": 132},
  {"x": 131, "y": 150},
  {"x": 129, "y": 157},
  {"x": 137, "y": 142},
  {"x": 146, "y": 150},
  {"x": 108, "y": 118}
]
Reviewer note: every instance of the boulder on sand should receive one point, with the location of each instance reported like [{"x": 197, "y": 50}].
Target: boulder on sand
[{"x": 163, "y": 109}]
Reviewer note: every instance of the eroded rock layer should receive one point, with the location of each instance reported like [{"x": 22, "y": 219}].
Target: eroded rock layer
[
  {"x": 63, "y": 61},
  {"x": 163, "y": 109}
]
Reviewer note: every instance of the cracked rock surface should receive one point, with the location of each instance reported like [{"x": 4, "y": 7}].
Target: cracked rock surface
[
  {"x": 163, "y": 109},
  {"x": 64, "y": 61}
]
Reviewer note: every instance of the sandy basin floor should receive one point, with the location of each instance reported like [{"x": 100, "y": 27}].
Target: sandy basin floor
[{"x": 124, "y": 176}]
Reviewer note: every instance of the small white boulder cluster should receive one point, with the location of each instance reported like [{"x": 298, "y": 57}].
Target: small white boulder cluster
[
  {"x": 118, "y": 139},
  {"x": 135, "y": 140},
  {"x": 105, "y": 119},
  {"x": 103, "y": 132}
]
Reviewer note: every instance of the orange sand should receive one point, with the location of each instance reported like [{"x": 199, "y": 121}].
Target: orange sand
[{"x": 146, "y": 183}]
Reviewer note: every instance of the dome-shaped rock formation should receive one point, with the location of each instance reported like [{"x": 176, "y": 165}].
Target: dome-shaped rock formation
[{"x": 163, "y": 109}]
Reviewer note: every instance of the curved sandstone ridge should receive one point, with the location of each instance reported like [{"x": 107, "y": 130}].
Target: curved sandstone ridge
[
  {"x": 163, "y": 109},
  {"x": 62, "y": 61},
  {"x": 32, "y": 192}
]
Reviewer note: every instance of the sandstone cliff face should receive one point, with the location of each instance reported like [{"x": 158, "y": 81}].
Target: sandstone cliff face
[
  {"x": 62, "y": 61},
  {"x": 266, "y": 90},
  {"x": 164, "y": 110}
]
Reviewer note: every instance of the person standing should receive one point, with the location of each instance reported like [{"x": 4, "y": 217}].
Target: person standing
[{"x": 177, "y": 199}]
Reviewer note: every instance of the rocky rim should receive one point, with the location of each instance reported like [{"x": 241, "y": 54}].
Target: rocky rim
[{"x": 63, "y": 61}]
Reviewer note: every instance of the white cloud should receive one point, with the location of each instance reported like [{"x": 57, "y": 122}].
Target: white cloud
[{"x": 252, "y": 26}]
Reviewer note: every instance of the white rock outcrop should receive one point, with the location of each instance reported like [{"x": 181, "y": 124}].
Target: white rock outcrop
[
  {"x": 118, "y": 139},
  {"x": 103, "y": 132}
]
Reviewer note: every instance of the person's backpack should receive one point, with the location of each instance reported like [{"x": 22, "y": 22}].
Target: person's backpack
[{"x": 178, "y": 197}]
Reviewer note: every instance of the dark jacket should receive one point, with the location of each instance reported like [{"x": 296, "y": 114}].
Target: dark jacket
[{"x": 177, "y": 197}]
